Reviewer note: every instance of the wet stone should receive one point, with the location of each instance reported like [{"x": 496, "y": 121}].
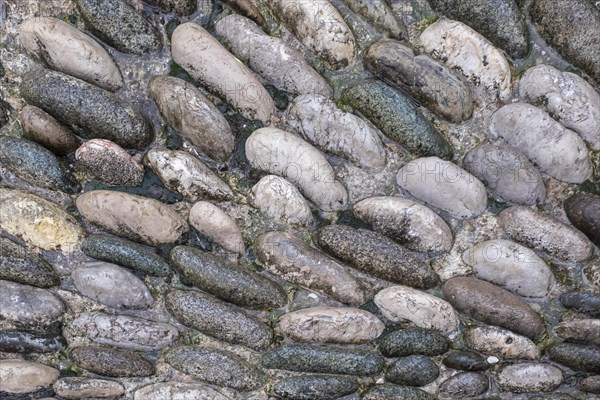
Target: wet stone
[
  {"x": 40, "y": 127},
  {"x": 137, "y": 257},
  {"x": 18, "y": 376},
  {"x": 324, "y": 359},
  {"x": 108, "y": 162},
  {"x": 578, "y": 357},
  {"x": 111, "y": 362},
  {"x": 29, "y": 306},
  {"x": 177, "y": 390},
  {"x": 587, "y": 303},
  {"x": 79, "y": 388},
  {"x": 413, "y": 341},
  {"x": 413, "y": 370},
  {"x": 583, "y": 210},
  {"x": 393, "y": 392},
  {"x": 464, "y": 384},
  {"x": 466, "y": 361},
  {"x": 216, "y": 367},
  {"x": 19, "y": 264},
  {"x": 315, "y": 387},
  {"x": 529, "y": 377},
  {"x": 25, "y": 341},
  {"x": 501, "y": 343}
]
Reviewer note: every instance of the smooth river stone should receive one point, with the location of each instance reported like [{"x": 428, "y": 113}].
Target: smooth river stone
[
  {"x": 529, "y": 377},
  {"x": 109, "y": 163},
  {"x": 272, "y": 58},
  {"x": 118, "y": 24},
  {"x": 330, "y": 325},
  {"x": 406, "y": 222},
  {"x": 82, "y": 388},
  {"x": 545, "y": 234},
  {"x": 65, "y": 48},
  {"x": 192, "y": 114},
  {"x": 580, "y": 330},
  {"x": 36, "y": 165},
  {"x": 38, "y": 221},
  {"x": 183, "y": 173},
  {"x": 587, "y": 303},
  {"x": 501, "y": 343},
  {"x": 401, "y": 304},
  {"x": 27, "y": 305},
  {"x": 392, "y": 392},
  {"x": 287, "y": 256},
  {"x": 226, "y": 280},
  {"x": 464, "y": 385},
  {"x": 397, "y": 116},
  {"x": 445, "y": 186},
  {"x": 40, "y": 127},
  {"x": 433, "y": 84},
  {"x": 339, "y": 360},
  {"x": 28, "y": 341},
  {"x": 462, "y": 48},
  {"x": 134, "y": 217},
  {"x": 280, "y": 200},
  {"x": 466, "y": 361},
  {"x": 19, "y": 264},
  {"x": 319, "y": 121},
  {"x": 18, "y": 376},
  {"x": 207, "y": 61},
  {"x": 320, "y": 27},
  {"x": 110, "y": 362},
  {"x": 315, "y": 387},
  {"x": 375, "y": 254},
  {"x": 282, "y": 153},
  {"x": 509, "y": 175},
  {"x": 381, "y": 16},
  {"x": 217, "y": 225},
  {"x": 568, "y": 98},
  {"x": 583, "y": 210},
  {"x": 493, "y": 305},
  {"x": 87, "y": 109},
  {"x": 111, "y": 285},
  {"x": 557, "y": 151},
  {"x": 217, "y": 367},
  {"x": 415, "y": 370},
  {"x": 411, "y": 341},
  {"x": 218, "y": 319},
  {"x": 177, "y": 391},
  {"x": 578, "y": 357},
  {"x": 122, "y": 331},
  {"x": 511, "y": 266}
]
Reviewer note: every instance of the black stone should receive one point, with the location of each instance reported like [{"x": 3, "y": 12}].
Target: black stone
[
  {"x": 466, "y": 361},
  {"x": 583, "y": 210},
  {"x": 413, "y": 371},
  {"x": 413, "y": 341},
  {"x": 21, "y": 265}
]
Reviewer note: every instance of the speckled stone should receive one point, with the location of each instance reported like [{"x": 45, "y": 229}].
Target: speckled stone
[
  {"x": 466, "y": 361},
  {"x": 415, "y": 370},
  {"x": 22, "y": 341},
  {"x": 529, "y": 377},
  {"x": 29, "y": 306},
  {"x": 393, "y": 392},
  {"x": 110, "y": 362},
  {"x": 83, "y": 388},
  {"x": 18, "y": 376},
  {"x": 381, "y": 16},
  {"x": 314, "y": 387},
  {"x": 181, "y": 7},
  {"x": 586, "y": 331},
  {"x": 587, "y": 303},
  {"x": 413, "y": 341},
  {"x": 579, "y": 357},
  {"x": 500, "y": 342},
  {"x": 583, "y": 210},
  {"x": 213, "y": 222},
  {"x": 590, "y": 384},
  {"x": 279, "y": 199},
  {"x": 177, "y": 390},
  {"x": 40, "y": 127},
  {"x": 19, "y": 264},
  {"x": 324, "y": 359},
  {"x": 464, "y": 385},
  {"x": 109, "y": 163}
]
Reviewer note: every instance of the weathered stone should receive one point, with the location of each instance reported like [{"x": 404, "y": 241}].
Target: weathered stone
[
  {"x": 20, "y": 265},
  {"x": 591, "y": 273},
  {"x": 192, "y": 114},
  {"x": 545, "y": 234},
  {"x": 216, "y": 318},
  {"x": 111, "y": 285},
  {"x": 177, "y": 391},
  {"x": 324, "y": 359},
  {"x": 281, "y": 153},
  {"x": 83, "y": 388},
  {"x": 466, "y": 361},
  {"x": 286, "y": 255},
  {"x": 333, "y": 41},
  {"x": 319, "y": 121},
  {"x": 580, "y": 330},
  {"x": 406, "y": 222},
  {"x": 445, "y": 186},
  {"x": 42, "y": 128},
  {"x": 215, "y": 223},
  {"x": 511, "y": 266},
  {"x": 413, "y": 341},
  {"x": 207, "y": 61},
  {"x": 23, "y": 341},
  {"x": 18, "y": 376},
  {"x": 579, "y": 357},
  {"x": 36, "y": 165},
  {"x": 87, "y": 109},
  {"x": 571, "y": 27},
  {"x": 134, "y": 217},
  {"x": 120, "y": 251},
  {"x": 401, "y": 304},
  {"x": 583, "y": 210},
  {"x": 315, "y": 387},
  {"x": 493, "y": 305},
  {"x": 28, "y": 306},
  {"x": 392, "y": 392},
  {"x": 375, "y": 254},
  {"x": 508, "y": 174},
  {"x": 462, "y": 48},
  {"x": 183, "y": 173},
  {"x": 431, "y": 83},
  {"x": 590, "y": 384},
  {"x": 465, "y": 384},
  {"x": 587, "y": 303},
  {"x": 330, "y": 325},
  {"x": 111, "y": 362},
  {"x": 109, "y": 163},
  {"x": 557, "y": 151},
  {"x": 398, "y": 118},
  {"x": 120, "y": 25},
  {"x": 529, "y": 377},
  {"x": 65, "y": 48},
  {"x": 413, "y": 370},
  {"x": 122, "y": 331},
  {"x": 217, "y": 367},
  {"x": 181, "y": 7},
  {"x": 226, "y": 280},
  {"x": 279, "y": 199},
  {"x": 501, "y": 343},
  {"x": 379, "y": 13}
]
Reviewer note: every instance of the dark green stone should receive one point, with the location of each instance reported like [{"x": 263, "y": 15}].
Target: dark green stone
[
  {"x": 20, "y": 265},
  {"x": 413, "y": 341},
  {"x": 226, "y": 280},
  {"x": 315, "y": 387},
  {"x": 398, "y": 118},
  {"x": 413, "y": 371},
  {"x": 393, "y": 392},
  {"x": 578, "y": 357},
  {"x": 88, "y": 110},
  {"x": 111, "y": 362},
  {"x": 125, "y": 253},
  {"x": 20, "y": 341},
  {"x": 324, "y": 359},
  {"x": 466, "y": 361}
]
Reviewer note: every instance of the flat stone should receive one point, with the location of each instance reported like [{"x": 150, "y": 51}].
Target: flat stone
[
  {"x": 280, "y": 200},
  {"x": 18, "y": 376},
  {"x": 18, "y": 264},
  {"x": 583, "y": 210},
  {"x": 413, "y": 341},
  {"x": 25, "y": 341},
  {"x": 177, "y": 391},
  {"x": 415, "y": 370},
  {"x": 500, "y": 342},
  {"x": 586, "y": 331},
  {"x": 28, "y": 305},
  {"x": 315, "y": 387},
  {"x": 111, "y": 362},
  {"x": 212, "y": 221},
  {"x": 529, "y": 377},
  {"x": 40, "y": 127},
  {"x": 80, "y": 388},
  {"x": 109, "y": 163},
  {"x": 464, "y": 384}
]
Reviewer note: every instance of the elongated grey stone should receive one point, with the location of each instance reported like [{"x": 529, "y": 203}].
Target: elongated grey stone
[
  {"x": 20, "y": 265},
  {"x": 315, "y": 387},
  {"x": 26, "y": 341},
  {"x": 110, "y": 362},
  {"x": 29, "y": 306}
]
